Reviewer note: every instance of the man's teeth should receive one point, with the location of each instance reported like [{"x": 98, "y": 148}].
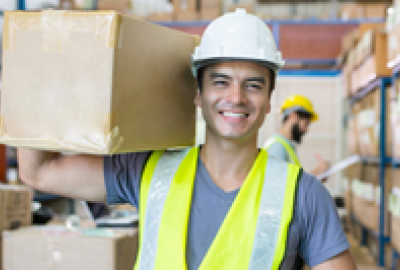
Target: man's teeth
[{"x": 232, "y": 114}]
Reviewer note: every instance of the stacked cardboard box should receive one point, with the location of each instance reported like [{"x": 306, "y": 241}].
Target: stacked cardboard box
[
  {"x": 210, "y": 9},
  {"x": 54, "y": 247},
  {"x": 369, "y": 124},
  {"x": 118, "y": 88},
  {"x": 186, "y": 10},
  {"x": 122, "y": 6},
  {"x": 15, "y": 209},
  {"x": 394, "y": 207},
  {"x": 395, "y": 119},
  {"x": 363, "y": 10},
  {"x": 366, "y": 198},
  {"x": 370, "y": 59}
]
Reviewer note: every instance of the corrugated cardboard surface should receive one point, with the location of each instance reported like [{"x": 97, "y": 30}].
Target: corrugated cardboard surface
[
  {"x": 52, "y": 247},
  {"x": 15, "y": 207},
  {"x": 95, "y": 82}
]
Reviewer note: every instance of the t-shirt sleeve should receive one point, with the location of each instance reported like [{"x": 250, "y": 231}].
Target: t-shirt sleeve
[
  {"x": 122, "y": 174},
  {"x": 322, "y": 236},
  {"x": 278, "y": 151}
]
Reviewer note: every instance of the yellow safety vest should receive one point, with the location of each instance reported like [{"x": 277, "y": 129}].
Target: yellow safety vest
[
  {"x": 253, "y": 234},
  {"x": 292, "y": 154}
]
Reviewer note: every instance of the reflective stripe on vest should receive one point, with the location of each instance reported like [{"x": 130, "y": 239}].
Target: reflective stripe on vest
[
  {"x": 253, "y": 234},
  {"x": 288, "y": 148}
]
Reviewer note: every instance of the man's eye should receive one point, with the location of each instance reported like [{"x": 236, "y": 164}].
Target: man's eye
[
  {"x": 253, "y": 87},
  {"x": 220, "y": 83}
]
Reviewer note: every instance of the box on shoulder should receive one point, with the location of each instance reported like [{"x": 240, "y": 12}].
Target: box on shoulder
[{"x": 95, "y": 82}]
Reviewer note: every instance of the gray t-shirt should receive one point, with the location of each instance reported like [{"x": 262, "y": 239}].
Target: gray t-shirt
[
  {"x": 278, "y": 150},
  {"x": 316, "y": 232}
]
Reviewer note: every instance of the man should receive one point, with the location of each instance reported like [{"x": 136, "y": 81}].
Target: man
[
  {"x": 297, "y": 114},
  {"x": 218, "y": 206}
]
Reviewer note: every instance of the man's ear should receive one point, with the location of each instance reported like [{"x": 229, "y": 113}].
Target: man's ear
[
  {"x": 197, "y": 99},
  {"x": 268, "y": 110}
]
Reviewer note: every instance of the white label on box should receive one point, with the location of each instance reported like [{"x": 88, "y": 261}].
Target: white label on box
[{"x": 369, "y": 191}]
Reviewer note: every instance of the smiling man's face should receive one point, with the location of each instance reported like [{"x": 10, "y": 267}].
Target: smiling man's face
[{"x": 235, "y": 98}]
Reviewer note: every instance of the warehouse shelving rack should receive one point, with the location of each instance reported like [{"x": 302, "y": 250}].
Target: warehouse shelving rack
[
  {"x": 395, "y": 161},
  {"x": 382, "y": 84}
]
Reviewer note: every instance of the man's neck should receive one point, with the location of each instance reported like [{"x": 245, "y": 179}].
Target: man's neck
[
  {"x": 285, "y": 131},
  {"x": 228, "y": 161}
]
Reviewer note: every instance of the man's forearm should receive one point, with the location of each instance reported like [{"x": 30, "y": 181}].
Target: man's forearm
[{"x": 30, "y": 161}]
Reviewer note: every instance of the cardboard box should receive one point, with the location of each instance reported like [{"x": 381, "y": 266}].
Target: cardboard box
[
  {"x": 53, "y": 247},
  {"x": 350, "y": 39},
  {"x": 187, "y": 16},
  {"x": 185, "y": 6},
  {"x": 95, "y": 82},
  {"x": 394, "y": 46},
  {"x": 121, "y": 6},
  {"x": 372, "y": 55},
  {"x": 395, "y": 119},
  {"x": 369, "y": 124},
  {"x": 67, "y": 5},
  {"x": 351, "y": 11},
  {"x": 161, "y": 17},
  {"x": 395, "y": 219},
  {"x": 375, "y": 10},
  {"x": 248, "y": 7},
  {"x": 210, "y": 9},
  {"x": 15, "y": 206},
  {"x": 371, "y": 210}
]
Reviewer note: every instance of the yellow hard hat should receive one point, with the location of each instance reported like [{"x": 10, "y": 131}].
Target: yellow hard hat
[{"x": 299, "y": 103}]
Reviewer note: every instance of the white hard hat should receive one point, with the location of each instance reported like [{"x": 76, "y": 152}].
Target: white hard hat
[{"x": 237, "y": 36}]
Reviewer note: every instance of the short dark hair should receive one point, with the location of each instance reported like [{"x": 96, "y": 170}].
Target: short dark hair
[{"x": 200, "y": 77}]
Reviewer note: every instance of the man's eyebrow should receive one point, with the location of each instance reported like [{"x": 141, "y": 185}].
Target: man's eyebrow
[
  {"x": 256, "y": 79},
  {"x": 215, "y": 75}
]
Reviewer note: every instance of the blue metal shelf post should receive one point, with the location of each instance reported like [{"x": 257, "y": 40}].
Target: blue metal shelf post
[
  {"x": 395, "y": 257},
  {"x": 382, "y": 144},
  {"x": 21, "y": 5}
]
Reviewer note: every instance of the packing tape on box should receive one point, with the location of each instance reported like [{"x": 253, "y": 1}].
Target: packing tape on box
[
  {"x": 96, "y": 144},
  {"x": 57, "y": 26}
]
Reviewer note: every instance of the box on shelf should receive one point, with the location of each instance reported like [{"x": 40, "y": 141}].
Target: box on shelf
[
  {"x": 351, "y": 11},
  {"x": 394, "y": 46},
  {"x": 57, "y": 248},
  {"x": 372, "y": 208},
  {"x": 350, "y": 174},
  {"x": 121, "y": 6},
  {"x": 395, "y": 120},
  {"x": 371, "y": 59},
  {"x": 67, "y": 5},
  {"x": 375, "y": 10},
  {"x": 185, "y": 6},
  {"x": 352, "y": 137},
  {"x": 369, "y": 124},
  {"x": 161, "y": 17},
  {"x": 15, "y": 206},
  {"x": 210, "y": 9},
  {"x": 346, "y": 80},
  {"x": 186, "y": 16},
  {"x": 248, "y": 7},
  {"x": 350, "y": 39},
  {"x": 395, "y": 215},
  {"x": 119, "y": 89}
]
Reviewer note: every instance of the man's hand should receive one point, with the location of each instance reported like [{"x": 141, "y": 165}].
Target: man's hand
[{"x": 343, "y": 261}]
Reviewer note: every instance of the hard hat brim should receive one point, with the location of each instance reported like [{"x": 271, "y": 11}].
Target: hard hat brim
[{"x": 196, "y": 65}]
